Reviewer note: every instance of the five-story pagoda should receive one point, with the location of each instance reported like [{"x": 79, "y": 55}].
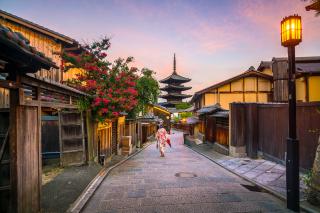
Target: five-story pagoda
[{"x": 174, "y": 88}]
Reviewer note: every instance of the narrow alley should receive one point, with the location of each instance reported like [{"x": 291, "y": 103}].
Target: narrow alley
[{"x": 183, "y": 181}]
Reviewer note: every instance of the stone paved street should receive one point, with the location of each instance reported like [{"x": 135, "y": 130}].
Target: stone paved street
[
  {"x": 266, "y": 173},
  {"x": 148, "y": 183}
]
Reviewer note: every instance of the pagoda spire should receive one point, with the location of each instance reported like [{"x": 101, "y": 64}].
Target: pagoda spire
[
  {"x": 174, "y": 87},
  {"x": 174, "y": 64}
]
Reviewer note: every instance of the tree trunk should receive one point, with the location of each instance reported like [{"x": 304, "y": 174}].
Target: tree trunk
[{"x": 314, "y": 194}]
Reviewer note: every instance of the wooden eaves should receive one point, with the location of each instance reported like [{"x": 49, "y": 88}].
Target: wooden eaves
[{"x": 35, "y": 27}]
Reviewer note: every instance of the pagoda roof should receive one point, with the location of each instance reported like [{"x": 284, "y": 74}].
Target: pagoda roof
[
  {"x": 174, "y": 77},
  {"x": 175, "y": 87},
  {"x": 170, "y": 103},
  {"x": 174, "y": 95}
]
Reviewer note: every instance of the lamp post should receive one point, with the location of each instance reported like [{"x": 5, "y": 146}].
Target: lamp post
[{"x": 291, "y": 35}]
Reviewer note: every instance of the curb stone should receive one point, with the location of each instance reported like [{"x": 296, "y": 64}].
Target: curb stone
[
  {"x": 88, "y": 192},
  {"x": 271, "y": 191}
]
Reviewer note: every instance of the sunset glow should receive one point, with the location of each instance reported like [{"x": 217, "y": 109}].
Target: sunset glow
[{"x": 215, "y": 39}]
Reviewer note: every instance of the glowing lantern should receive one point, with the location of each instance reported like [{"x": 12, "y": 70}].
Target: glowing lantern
[{"x": 291, "y": 31}]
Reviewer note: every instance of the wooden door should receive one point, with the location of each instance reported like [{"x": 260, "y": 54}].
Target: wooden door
[
  {"x": 72, "y": 138},
  {"x": 50, "y": 148},
  {"x": 4, "y": 162},
  {"x": 114, "y": 137},
  {"x": 210, "y": 132},
  {"x": 105, "y": 138},
  {"x": 222, "y": 131}
]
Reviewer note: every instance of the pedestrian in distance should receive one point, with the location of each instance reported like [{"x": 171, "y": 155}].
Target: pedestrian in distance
[{"x": 162, "y": 139}]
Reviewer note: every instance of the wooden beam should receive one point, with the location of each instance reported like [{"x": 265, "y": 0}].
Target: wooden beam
[
  {"x": 243, "y": 96},
  {"x": 257, "y": 90},
  {"x": 60, "y": 137},
  {"x": 47, "y": 86},
  {"x": 25, "y": 169},
  {"x": 307, "y": 88},
  {"x": 38, "y": 97},
  {"x": 47, "y": 104},
  {"x": 9, "y": 84}
]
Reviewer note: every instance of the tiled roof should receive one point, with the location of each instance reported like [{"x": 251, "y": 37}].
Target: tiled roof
[
  {"x": 175, "y": 95},
  {"x": 169, "y": 104},
  {"x": 314, "y": 6},
  {"x": 34, "y": 26},
  {"x": 299, "y": 59},
  {"x": 161, "y": 107},
  {"x": 175, "y": 77},
  {"x": 175, "y": 87},
  {"x": 264, "y": 64},
  {"x": 192, "y": 120},
  {"x": 209, "y": 109},
  {"x": 221, "y": 114},
  {"x": 308, "y": 67},
  {"x": 15, "y": 47}
]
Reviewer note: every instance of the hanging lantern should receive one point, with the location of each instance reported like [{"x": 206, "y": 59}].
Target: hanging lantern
[{"x": 291, "y": 31}]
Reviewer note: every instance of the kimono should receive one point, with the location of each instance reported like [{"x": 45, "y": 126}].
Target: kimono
[{"x": 162, "y": 137}]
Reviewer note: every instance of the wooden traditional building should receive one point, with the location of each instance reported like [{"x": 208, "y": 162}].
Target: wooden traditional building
[
  {"x": 42, "y": 113},
  {"x": 307, "y": 79},
  {"x": 174, "y": 88},
  {"x": 29, "y": 95},
  {"x": 161, "y": 113},
  {"x": 46, "y": 41},
  {"x": 212, "y": 104},
  {"x": 250, "y": 86}
]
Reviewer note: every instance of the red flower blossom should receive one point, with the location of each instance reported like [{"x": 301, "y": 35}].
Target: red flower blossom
[
  {"x": 105, "y": 101},
  {"x": 104, "y": 110},
  {"x": 97, "y": 101},
  {"x": 103, "y": 55},
  {"x": 116, "y": 114}
]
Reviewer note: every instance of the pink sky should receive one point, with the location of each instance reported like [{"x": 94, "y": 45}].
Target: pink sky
[{"x": 213, "y": 40}]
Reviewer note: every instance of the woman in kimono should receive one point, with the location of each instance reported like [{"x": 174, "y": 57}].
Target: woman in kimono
[{"x": 162, "y": 138}]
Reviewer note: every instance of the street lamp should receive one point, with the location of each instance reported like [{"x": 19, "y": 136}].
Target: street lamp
[{"x": 291, "y": 35}]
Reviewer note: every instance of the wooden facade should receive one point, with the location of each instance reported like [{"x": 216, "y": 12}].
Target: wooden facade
[
  {"x": 31, "y": 89},
  {"x": 307, "y": 79},
  {"x": 250, "y": 86},
  {"x": 72, "y": 138},
  {"x": 104, "y": 134},
  {"x": 130, "y": 140},
  {"x": 262, "y": 129},
  {"x": 50, "y": 43},
  {"x": 43, "y": 115}
]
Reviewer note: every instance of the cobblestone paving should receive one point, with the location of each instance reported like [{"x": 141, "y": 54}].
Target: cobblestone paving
[
  {"x": 148, "y": 183},
  {"x": 264, "y": 172}
]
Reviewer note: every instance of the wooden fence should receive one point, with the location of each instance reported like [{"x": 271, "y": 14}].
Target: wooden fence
[
  {"x": 186, "y": 128},
  {"x": 263, "y": 128}
]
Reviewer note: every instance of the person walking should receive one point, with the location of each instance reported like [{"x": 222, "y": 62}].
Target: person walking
[{"x": 162, "y": 138}]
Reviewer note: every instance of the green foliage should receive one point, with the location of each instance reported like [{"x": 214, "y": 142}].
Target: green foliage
[
  {"x": 307, "y": 178},
  {"x": 185, "y": 115},
  {"x": 176, "y": 119},
  {"x": 183, "y": 105},
  {"x": 83, "y": 104},
  {"x": 148, "y": 90}
]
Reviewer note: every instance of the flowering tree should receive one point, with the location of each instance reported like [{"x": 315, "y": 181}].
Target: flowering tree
[{"x": 112, "y": 86}]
